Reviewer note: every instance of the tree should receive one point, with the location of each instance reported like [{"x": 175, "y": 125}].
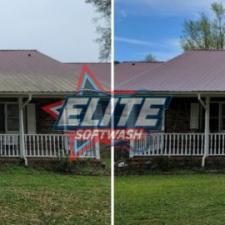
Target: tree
[
  {"x": 104, "y": 8},
  {"x": 150, "y": 58},
  {"x": 219, "y": 24},
  {"x": 205, "y": 33}
]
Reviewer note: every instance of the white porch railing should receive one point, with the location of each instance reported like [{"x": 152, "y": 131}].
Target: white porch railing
[
  {"x": 9, "y": 145},
  {"x": 157, "y": 144},
  {"x": 40, "y": 145},
  {"x": 178, "y": 144},
  {"x": 216, "y": 144}
]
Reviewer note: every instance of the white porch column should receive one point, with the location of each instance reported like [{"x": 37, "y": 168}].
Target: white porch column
[
  {"x": 131, "y": 152},
  {"x": 97, "y": 151},
  {"x": 21, "y": 126},
  {"x": 207, "y": 130}
]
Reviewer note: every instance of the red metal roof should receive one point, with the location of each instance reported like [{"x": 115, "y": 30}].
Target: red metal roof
[
  {"x": 125, "y": 73},
  {"x": 25, "y": 71},
  {"x": 193, "y": 71}
]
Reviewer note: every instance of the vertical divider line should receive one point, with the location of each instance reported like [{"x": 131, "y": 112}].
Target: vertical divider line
[{"x": 112, "y": 120}]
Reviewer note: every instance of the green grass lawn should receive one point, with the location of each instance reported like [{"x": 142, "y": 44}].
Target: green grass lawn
[
  {"x": 170, "y": 200},
  {"x": 39, "y": 197}
]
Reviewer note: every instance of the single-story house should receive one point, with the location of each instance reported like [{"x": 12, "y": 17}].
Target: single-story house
[
  {"x": 194, "y": 124},
  {"x": 29, "y": 80}
]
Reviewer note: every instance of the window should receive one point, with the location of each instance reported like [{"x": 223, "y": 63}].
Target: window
[
  {"x": 214, "y": 117},
  {"x": 12, "y": 117},
  {"x": 2, "y": 118},
  {"x": 222, "y": 117},
  {"x": 217, "y": 117}
]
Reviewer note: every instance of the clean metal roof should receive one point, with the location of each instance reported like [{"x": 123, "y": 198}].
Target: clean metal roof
[
  {"x": 193, "y": 71},
  {"x": 127, "y": 72}
]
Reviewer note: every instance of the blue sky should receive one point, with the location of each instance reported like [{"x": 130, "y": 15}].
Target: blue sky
[
  {"x": 153, "y": 26},
  {"x": 63, "y": 29}
]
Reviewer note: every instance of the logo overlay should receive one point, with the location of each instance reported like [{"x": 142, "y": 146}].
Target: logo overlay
[{"x": 88, "y": 114}]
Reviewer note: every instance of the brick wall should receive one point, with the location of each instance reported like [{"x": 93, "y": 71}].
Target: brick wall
[
  {"x": 177, "y": 118},
  {"x": 178, "y": 115},
  {"x": 44, "y": 121}
]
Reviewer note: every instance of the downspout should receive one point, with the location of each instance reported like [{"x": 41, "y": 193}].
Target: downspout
[
  {"x": 22, "y": 140},
  {"x": 206, "y": 106},
  {"x": 28, "y": 101}
]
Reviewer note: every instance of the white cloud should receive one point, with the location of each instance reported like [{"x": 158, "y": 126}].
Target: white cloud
[
  {"x": 63, "y": 29},
  {"x": 133, "y": 41},
  {"x": 165, "y": 43},
  {"x": 163, "y": 49}
]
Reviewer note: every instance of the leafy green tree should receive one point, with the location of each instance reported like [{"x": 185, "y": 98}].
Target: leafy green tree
[
  {"x": 104, "y": 8},
  {"x": 205, "y": 33},
  {"x": 219, "y": 25}
]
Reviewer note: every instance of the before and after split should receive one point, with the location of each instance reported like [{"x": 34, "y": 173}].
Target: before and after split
[{"x": 112, "y": 112}]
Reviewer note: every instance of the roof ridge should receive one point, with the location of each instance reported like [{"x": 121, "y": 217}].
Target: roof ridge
[
  {"x": 86, "y": 62},
  {"x": 206, "y": 50},
  {"x": 49, "y": 57},
  {"x": 18, "y": 50},
  {"x": 139, "y": 62}
]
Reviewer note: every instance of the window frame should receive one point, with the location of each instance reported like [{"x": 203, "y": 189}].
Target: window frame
[
  {"x": 220, "y": 117},
  {"x": 7, "y": 131}
]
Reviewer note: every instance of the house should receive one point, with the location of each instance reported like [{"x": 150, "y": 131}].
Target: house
[
  {"x": 29, "y": 80},
  {"x": 194, "y": 124}
]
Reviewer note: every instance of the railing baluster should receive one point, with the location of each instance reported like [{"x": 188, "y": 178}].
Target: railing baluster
[
  {"x": 50, "y": 145},
  {"x": 198, "y": 144},
  {"x": 182, "y": 145},
  {"x": 170, "y": 143},
  {"x": 54, "y": 149},
  {"x": 222, "y": 149},
  {"x": 211, "y": 145},
  {"x": 193, "y": 147},
  {"x": 219, "y": 153},
  {"x": 165, "y": 150},
  {"x": 174, "y": 144},
  {"x": 214, "y": 142}
]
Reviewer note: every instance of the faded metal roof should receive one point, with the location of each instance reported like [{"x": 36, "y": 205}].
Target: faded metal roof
[
  {"x": 102, "y": 71},
  {"x": 25, "y": 71},
  {"x": 193, "y": 71}
]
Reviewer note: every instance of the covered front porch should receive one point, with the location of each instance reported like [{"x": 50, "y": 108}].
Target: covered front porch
[
  {"x": 192, "y": 126},
  {"x": 26, "y": 131}
]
